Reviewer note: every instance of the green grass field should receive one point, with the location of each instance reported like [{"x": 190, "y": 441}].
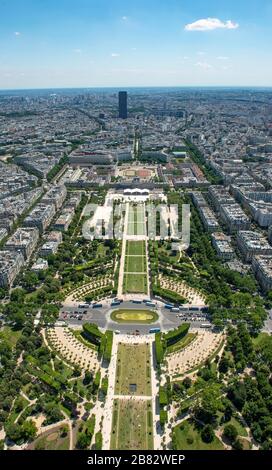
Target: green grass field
[
  {"x": 188, "y": 437},
  {"x": 134, "y": 316},
  {"x": 10, "y": 335},
  {"x": 135, "y": 264},
  {"x": 133, "y": 370},
  {"x": 132, "y": 427},
  {"x": 135, "y": 248},
  {"x": 135, "y": 283}
]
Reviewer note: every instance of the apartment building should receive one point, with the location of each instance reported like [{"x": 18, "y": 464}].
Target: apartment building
[
  {"x": 234, "y": 218},
  {"x": 252, "y": 243},
  {"x": 10, "y": 264},
  {"x": 24, "y": 241},
  {"x": 222, "y": 246},
  {"x": 56, "y": 196},
  {"x": 262, "y": 268},
  {"x": 41, "y": 216}
]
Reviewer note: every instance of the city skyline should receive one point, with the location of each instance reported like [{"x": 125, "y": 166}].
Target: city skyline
[{"x": 93, "y": 44}]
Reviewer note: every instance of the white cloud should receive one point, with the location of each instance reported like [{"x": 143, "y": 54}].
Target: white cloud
[
  {"x": 124, "y": 18},
  {"x": 222, "y": 57},
  {"x": 77, "y": 51},
  {"x": 115, "y": 54},
  {"x": 17, "y": 33},
  {"x": 208, "y": 24},
  {"x": 201, "y": 53},
  {"x": 203, "y": 65},
  {"x": 185, "y": 57}
]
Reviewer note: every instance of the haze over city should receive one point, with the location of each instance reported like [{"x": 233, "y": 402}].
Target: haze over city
[{"x": 91, "y": 43}]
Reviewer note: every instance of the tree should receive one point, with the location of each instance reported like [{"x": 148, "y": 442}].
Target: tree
[
  {"x": 230, "y": 432},
  {"x": 14, "y": 432},
  {"x": 19, "y": 319},
  {"x": 29, "y": 430},
  {"x": 187, "y": 382},
  {"x": 83, "y": 441},
  {"x": 207, "y": 434}
]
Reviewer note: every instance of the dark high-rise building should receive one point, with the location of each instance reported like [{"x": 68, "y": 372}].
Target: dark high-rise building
[{"x": 123, "y": 105}]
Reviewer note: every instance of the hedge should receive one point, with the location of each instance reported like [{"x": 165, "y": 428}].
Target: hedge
[
  {"x": 163, "y": 397},
  {"x": 163, "y": 417},
  {"x": 108, "y": 345},
  {"x": 90, "y": 425},
  {"x": 174, "y": 336},
  {"x": 104, "y": 386},
  {"x": 96, "y": 381},
  {"x": 168, "y": 295},
  {"x": 159, "y": 348},
  {"x": 92, "y": 333},
  {"x": 98, "y": 441}
]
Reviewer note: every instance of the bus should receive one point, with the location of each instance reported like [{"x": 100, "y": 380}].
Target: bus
[
  {"x": 150, "y": 304},
  {"x": 169, "y": 306},
  {"x": 175, "y": 309},
  {"x": 83, "y": 306},
  {"x": 115, "y": 303},
  {"x": 136, "y": 301},
  {"x": 205, "y": 325},
  {"x": 97, "y": 305},
  {"x": 154, "y": 330}
]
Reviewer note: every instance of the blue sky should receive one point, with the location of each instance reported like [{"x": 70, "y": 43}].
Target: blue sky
[{"x": 74, "y": 43}]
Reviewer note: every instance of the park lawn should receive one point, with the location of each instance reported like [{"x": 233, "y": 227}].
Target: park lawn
[
  {"x": 135, "y": 264},
  {"x": 135, "y": 283},
  {"x": 131, "y": 229},
  {"x": 133, "y": 369},
  {"x": 10, "y": 335},
  {"x": 134, "y": 316},
  {"x": 240, "y": 428},
  {"x": 188, "y": 438},
  {"x": 51, "y": 441},
  {"x": 135, "y": 248},
  {"x": 259, "y": 339},
  {"x": 132, "y": 425},
  {"x": 182, "y": 343},
  {"x": 131, "y": 215},
  {"x": 140, "y": 228}
]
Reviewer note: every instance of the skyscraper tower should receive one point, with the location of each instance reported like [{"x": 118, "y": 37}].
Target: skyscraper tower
[{"x": 122, "y": 104}]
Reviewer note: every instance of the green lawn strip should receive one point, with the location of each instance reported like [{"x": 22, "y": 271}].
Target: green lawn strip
[
  {"x": 135, "y": 283},
  {"x": 134, "y": 316},
  {"x": 135, "y": 248},
  {"x": 187, "y": 437},
  {"x": 132, "y": 425},
  {"x": 135, "y": 264},
  {"x": 182, "y": 343},
  {"x": 133, "y": 368}
]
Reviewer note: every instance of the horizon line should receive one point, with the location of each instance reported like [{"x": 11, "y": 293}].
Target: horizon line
[{"x": 135, "y": 86}]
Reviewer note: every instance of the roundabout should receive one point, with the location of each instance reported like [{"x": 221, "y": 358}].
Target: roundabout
[{"x": 134, "y": 316}]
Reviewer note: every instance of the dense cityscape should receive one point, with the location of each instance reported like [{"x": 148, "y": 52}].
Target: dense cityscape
[{"x": 126, "y": 329}]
